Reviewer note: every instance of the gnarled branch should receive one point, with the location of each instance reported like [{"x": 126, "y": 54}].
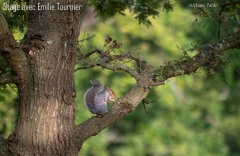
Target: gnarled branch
[
  {"x": 133, "y": 98},
  {"x": 207, "y": 56},
  {"x": 121, "y": 67},
  {"x": 10, "y": 50},
  {"x": 121, "y": 108}
]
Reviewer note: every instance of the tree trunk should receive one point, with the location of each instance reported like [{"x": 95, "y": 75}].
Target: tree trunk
[{"x": 45, "y": 125}]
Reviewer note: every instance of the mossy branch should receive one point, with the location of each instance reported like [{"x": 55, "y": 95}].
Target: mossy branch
[{"x": 208, "y": 56}]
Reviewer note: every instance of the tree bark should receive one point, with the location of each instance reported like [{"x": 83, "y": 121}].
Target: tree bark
[{"x": 45, "y": 124}]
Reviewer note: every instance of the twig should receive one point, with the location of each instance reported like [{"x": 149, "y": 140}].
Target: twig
[
  {"x": 122, "y": 67},
  {"x": 144, "y": 106},
  {"x": 79, "y": 68},
  {"x": 87, "y": 38},
  {"x": 100, "y": 51}
]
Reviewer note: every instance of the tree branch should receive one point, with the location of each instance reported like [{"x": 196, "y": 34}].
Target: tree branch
[
  {"x": 100, "y": 51},
  {"x": 6, "y": 79},
  {"x": 113, "y": 66},
  {"x": 207, "y": 55},
  {"x": 9, "y": 49},
  {"x": 87, "y": 67},
  {"x": 86, "y": 38},
  {"x": 121, "y": 67},
  {"x": 111, "y": 61},
  {"x": 121, "y": 108}
]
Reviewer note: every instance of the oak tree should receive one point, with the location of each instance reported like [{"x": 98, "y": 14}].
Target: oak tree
[{"x": 42, "y": 66}]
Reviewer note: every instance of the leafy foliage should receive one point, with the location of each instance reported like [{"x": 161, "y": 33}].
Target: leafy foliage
[
  {"x": 11, "y": 15},
  {"x": 142, "y": 9}
]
